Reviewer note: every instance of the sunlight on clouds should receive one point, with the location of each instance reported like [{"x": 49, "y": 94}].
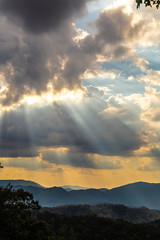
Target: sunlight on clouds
[
  {"x": 148, "y": 16},
  {"x": 151, "y": 113},
  {"x": 65, "y": 94},
  {"x": 2, "y": 83},
  {"x": 151, "y": 77},
  {"x": 99, "y": 74},
  {"x": 105, "y": 90},
  {"x": 47, "y": 98},
  {"x": 128, "y": 5},
  {"x": 80, "y": 34},
  {"x": 31, "y": 99},
  {"x": 140, "y": 100}
]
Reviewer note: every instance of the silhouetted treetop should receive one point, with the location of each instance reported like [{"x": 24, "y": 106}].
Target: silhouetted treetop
[
  {"x": 148, "y": 3},
  {"x": 18, "y": 216},
  {"x": 17, "y": 199}
]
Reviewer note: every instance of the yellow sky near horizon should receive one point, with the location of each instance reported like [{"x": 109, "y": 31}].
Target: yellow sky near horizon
[{"x": 82, "y": 177}]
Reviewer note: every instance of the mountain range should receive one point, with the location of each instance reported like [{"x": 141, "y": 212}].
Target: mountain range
[{"x": 132, "y": 195}]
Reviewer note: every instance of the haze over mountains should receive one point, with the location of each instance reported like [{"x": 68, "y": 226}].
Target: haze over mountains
[{"x": 132, "y": 195}]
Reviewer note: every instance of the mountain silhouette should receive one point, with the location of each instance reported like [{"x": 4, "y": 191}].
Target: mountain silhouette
[{"x": 132, "y": 195}]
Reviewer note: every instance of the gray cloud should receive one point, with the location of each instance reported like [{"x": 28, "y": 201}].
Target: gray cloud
[
  {"x": 74, "y": 159},
  {"x": 114, "y": 34},
  {"x": 15, "y": 149},
  {"x": 31, "y": 164},
  {"x": 78, "y": 159},
  {"x": 39, "y": 16},
  {"x": 116, "y": 27}
]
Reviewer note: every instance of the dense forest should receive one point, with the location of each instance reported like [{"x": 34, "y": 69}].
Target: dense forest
[{"x": 20, "y": 219}]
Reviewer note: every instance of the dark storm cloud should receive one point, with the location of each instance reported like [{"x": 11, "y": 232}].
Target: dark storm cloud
[{"x": 39, "y": 16}]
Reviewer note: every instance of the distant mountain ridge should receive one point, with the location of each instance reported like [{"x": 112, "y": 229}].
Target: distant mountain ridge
[
  {"x": 19, "y": 182},
  {"x": 132, "y": 195}
]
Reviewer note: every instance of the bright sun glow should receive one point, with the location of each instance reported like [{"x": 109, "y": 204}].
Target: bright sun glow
[{"x": 64, "y": 95}]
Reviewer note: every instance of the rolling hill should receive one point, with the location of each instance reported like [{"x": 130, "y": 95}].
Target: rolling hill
[{"x": 115, "y": 212}]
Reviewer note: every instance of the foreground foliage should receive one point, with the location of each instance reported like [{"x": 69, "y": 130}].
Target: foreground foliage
[
  {"x": 21, "y": 220},
  {"x": 17, "y": 216},
  {"x": 149, "y": 3}
]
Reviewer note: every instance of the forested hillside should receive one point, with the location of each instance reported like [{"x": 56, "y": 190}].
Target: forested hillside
[{"x": 110, "y": 211}]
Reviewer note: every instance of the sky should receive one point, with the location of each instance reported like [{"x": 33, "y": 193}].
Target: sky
[{"x": 79, "y": 92}]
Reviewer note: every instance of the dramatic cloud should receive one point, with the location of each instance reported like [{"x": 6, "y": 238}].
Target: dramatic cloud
[
  {"x": 39, "y": 16},
  {"x": 116, "y": 26},
  {"x": 80, "y": 126},
  {"x": 116, "y": 31},
  {"x": 33, "y": 64},
  {"x": 30, "y": 62}
]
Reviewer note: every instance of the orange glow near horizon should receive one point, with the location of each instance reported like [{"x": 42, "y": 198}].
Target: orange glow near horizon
[{"x": 82, "y": 177}]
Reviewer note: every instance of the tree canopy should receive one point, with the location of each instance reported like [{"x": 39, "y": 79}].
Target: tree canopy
[
  {"x": 148, "y": 3},
  {"x": 17, "y": 216}
]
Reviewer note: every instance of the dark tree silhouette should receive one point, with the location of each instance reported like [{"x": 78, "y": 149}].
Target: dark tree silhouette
[
  {"x": 149, "y": 3},
  {"x": 18, "y": 216}
]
